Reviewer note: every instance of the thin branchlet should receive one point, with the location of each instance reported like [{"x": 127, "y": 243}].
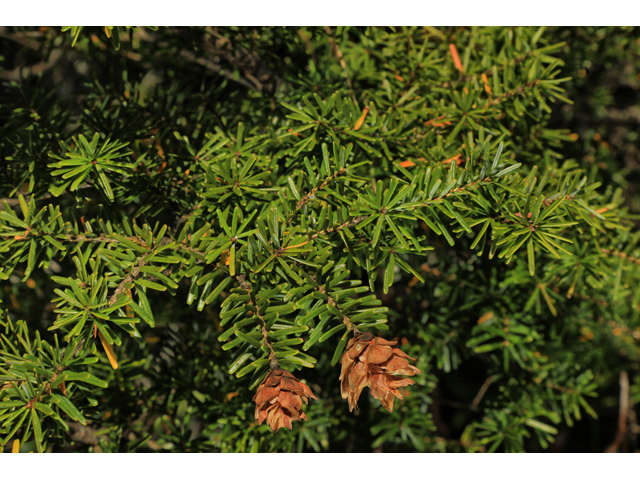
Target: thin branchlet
[{"x": 273, "y": 360}]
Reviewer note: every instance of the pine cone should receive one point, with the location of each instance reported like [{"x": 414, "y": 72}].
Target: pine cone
[
  {"x": 279, "y": 399},
  {"x": 370, "y": 361}
]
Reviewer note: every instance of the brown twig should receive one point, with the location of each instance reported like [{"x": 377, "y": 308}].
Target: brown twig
[
  {"x": 511, "y": 93},
  {"x": 362, "y": 218},
  {"x": 623, "y": 413},
  {"x": 309, "y": 46},
  {"x": 623, "y": 329},
  {"x": 47, "y": 386},
  {"x": 343, "y": 64},
  {"x": 13, "y": 202},
  {"x": 135, "y": 272},
  {"x": 337, "y": 228},
  {"x": 18, "y": 72},
  {"x": 311, "y": 195},
  {"x": 127, "y": 279},
  {"x": 27, "y": 39},
  {"x": 345, "y": 319},
  {"x": 481, "y": 392},
  {"x": 246, "y": 61},
  {"x": 214, "y": 67},
  {"x": 249, "y": 81},
  {"x": 621, "y": 255},
  {"x": 273, "y": 360}
]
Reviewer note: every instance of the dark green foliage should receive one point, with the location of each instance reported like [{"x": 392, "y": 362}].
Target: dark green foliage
[{"x": 194, "y": 198}]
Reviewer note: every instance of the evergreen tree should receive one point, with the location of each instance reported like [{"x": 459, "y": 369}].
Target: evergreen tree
[{"x": 378, "y": 238}]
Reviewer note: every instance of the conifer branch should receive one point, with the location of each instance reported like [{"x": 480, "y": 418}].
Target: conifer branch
[{"x": 312, "y": 194}]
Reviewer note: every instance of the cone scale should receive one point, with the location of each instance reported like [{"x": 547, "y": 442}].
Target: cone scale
[
  {"x": 279, "y": 399},
  {"x": 373, "y": 362}
]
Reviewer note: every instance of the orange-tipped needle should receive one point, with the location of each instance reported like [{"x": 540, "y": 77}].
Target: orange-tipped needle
[
  {"x": 361, "y": 119},
  {"x": 457, "y": 158},
  {"x": 437, "y": 124},
  {"x": 409, "y": 163},
  {"x": 456, "y": 58},
  {"x": 485, "y": 318},
  {"x": 485, "y": 80},
  {"x": 109, "y": 351}
]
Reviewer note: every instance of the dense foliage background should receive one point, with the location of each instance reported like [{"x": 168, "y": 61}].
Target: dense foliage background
[{"x": 508, "y": 264}]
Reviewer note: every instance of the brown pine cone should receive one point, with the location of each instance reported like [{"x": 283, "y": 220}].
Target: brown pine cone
[
  {"x": 279, "y": 399},
  {"x": 370, "y": 361}
]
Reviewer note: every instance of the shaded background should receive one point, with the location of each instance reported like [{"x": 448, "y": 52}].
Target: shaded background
[{"x": 156, "y": 397}]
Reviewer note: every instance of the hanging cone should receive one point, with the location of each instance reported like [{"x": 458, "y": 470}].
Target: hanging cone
[
  {"x": 370, "y": 361},
  {"x": 279, "y": 399}
]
